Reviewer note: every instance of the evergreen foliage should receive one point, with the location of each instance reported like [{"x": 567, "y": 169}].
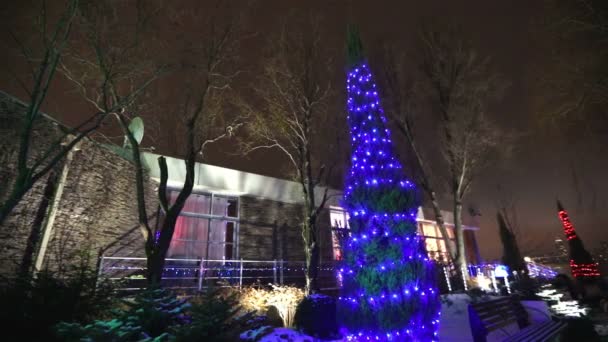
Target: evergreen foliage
[
  {"x": 217, "y": 318},
  {"x": 389, "y": 290},
  {"x": 511, "y": 256},
  {"x": 316, "y": 316},
  {"x": 158, "y": 315},
  {"x": 582, "y": 264},
  {"x": 151, "y": 315},
  {"x": 40, "y": 303}
]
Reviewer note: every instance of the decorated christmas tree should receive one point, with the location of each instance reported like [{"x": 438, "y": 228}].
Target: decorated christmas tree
[
  {"x": 582, "y": 265},
  {"x": 389, "y": 286}
]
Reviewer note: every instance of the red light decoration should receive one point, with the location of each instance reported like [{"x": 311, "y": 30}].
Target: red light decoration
[
  {"x": 582, "y": 264},
  {"x": 584, "y": 270},
  {"x": 568, "y": 227}
]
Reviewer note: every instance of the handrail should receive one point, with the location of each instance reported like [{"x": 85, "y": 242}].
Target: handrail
[{"x": 238, "y": 272}]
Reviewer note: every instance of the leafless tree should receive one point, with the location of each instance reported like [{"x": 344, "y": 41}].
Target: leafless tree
[
  {"x": 121, "y": 74},
  {"x": 574, "y": 75},
  {"x": 205, "y": 119},
  {"x": 462, "y": 86},
  {"x": 42, "y": 65},
  {"x": 111, "y": 67},
  {"x": 401, "y": 101},
  {"x": 293, "y": 117},
  {"x": 43, "y": 62}
]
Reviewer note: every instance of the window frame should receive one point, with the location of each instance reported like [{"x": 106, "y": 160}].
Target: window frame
[{"x": 209, "y": 216}]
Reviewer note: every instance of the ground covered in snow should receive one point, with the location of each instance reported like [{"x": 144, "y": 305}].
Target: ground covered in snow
[{"x": 454, "y": 326}]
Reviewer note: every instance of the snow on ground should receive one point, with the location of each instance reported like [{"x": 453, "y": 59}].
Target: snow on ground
[
  {"x": 454, "y": 325},
  {"x": 278, "y": 335}
]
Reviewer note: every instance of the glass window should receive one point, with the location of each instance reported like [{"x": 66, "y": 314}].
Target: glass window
[
  {"x": 201, "y": 231},
  {"x": 431, "y": 245},
  {"x": 229, "y": 247},
  {"x": 338, "y": 218},
  {"x": 195, "y": 204},
  {"x": 189, "y": 238},
  {"x": 225, "y": 206},
  {"x": 339, "y": 223},
  {"x": 429, "y": 230},
  {"x": 233, "y": 208}
]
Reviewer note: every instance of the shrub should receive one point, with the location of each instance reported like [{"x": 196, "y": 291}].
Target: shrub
[
  {"x": 316, "y": 316},
  {"x": 580, "y": 329},
  {"x": 283, "y": 298},
  {"x": 217, "y": 317},
  {"x": 154, "y": 313},
  {"x": 526, "y": 288},
  {"x": 114, "y": 331},
  {"x": 159, "y": 315},
  {"x": 44, "y": 301}
]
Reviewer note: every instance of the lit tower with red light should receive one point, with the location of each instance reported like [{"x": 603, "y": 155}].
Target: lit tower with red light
[{"x": 582, "y": 264}]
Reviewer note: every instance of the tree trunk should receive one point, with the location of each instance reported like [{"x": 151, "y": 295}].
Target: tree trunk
[
  {"x": 158, "y": 247},
  {"x": 312, "y": 269},
  {"x": 452, "y": 254},
  {"x": 155, "y": 265},
  {"x": 406, "y": 130},
  {"x": 461, "y": 261},
  {"x": 158, "y": 244},
  {"x": 139, "y": 178},
  {"x": 19, "y": 190},
  {"x": 36, "y": 230}
]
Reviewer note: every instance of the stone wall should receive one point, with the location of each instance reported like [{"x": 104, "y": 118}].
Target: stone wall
[
  {"x": 14, "y": 231},
  {"x": 97, "y": 210},
  {"x": 271, "y": 230}
]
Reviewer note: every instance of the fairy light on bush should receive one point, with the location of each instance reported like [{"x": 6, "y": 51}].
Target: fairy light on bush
[{"x": 389, "y": 291}]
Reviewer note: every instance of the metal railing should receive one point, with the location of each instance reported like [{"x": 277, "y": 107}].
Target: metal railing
[{"x": 196, "y": 274}]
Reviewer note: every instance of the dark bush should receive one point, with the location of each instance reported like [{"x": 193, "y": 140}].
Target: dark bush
[
  {"x": 154, "y": 313},
  {"x": 159, "y": 315},
  {"x": 526, "y": 288},
  {"x": 580, "y": 329},
  {"x": 40, "y": 303},
  {"x": 217, "y": 317},
  {"x": 316, "y": 316}
]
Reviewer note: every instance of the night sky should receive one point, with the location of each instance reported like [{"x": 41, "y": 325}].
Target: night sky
[{"x": 547, "y": 161}]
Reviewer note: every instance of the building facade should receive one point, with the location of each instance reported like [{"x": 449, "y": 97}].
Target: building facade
[
  {"x": 231, "y": 215},
  {"x": 234, "y": 214}
]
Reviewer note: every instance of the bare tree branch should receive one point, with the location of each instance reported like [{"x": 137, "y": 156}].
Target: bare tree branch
[{"x": 294, "y": 91}]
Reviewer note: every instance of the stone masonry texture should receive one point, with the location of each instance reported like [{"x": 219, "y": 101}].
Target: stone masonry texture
[{"x": 97, "y": 210}]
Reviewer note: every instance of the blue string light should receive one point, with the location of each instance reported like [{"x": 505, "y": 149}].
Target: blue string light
[{"x": 389, "y": 290}]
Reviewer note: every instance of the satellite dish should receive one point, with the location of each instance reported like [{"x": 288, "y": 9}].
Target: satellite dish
[{"x": 136, "y": 127}]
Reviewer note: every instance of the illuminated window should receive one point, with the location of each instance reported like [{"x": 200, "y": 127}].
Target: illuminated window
[
  {"x": 434, "y": 241},
  {"x": 339, "y": 230},
  {"x": 206, "y": 228}
]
